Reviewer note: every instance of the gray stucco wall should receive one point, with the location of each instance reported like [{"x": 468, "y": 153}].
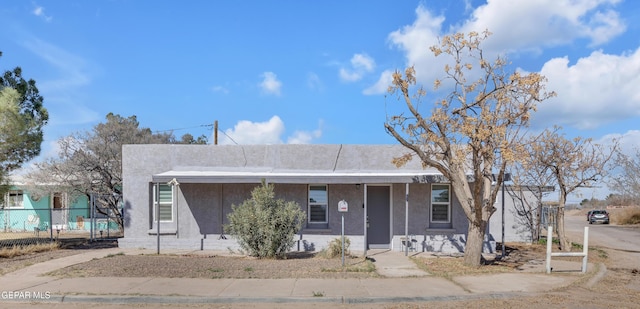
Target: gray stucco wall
[
  {"x": 515, "y": 230},
  {"x": 202, "y": 208}
]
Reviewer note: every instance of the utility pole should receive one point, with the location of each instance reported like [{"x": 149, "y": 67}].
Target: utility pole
[{"x": 215, "y": 132}]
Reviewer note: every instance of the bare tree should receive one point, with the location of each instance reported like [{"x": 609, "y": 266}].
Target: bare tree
[
  {"x": 529, "y": 179},
  {"x": 573, "y": 163},
  {"x": 627, "y": 182},
  {"x": 91, "y": 163},
  {"x": 474, "y": 129}
]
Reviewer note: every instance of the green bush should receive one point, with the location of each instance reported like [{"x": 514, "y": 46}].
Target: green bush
[
  {"x": 265, "y": 227},
  {"x": 334, "y": 249}
]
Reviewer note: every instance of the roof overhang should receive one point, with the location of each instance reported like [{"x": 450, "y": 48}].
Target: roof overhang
[{"x": 297, "y": 177}]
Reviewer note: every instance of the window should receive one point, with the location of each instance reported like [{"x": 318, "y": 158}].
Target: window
[
  {"x": 318, "y": 204},
  {"x": 165, "y": 201},
  {"x": 15, "y": 199},
  {"x": 440, "y": 203}
]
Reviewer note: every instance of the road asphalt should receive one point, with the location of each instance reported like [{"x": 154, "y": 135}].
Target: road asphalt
[{"x": 401, "y": 281}]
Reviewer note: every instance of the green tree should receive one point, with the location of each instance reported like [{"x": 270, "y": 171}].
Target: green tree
[
  {"x": 22, "y": 143},
  {"x": 11, "y": 124},
  {"x": 474, "y": 129},
  {"x": 264, "y": 226}
]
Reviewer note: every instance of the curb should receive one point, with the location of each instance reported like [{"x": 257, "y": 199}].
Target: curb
[
  {"x": 602, "y": 271},
  {"x": 124, "y": 300}
]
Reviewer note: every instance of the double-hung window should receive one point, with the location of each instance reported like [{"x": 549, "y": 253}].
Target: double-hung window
[
  {"x": 318, "y": 204},
  {"x": 15, "y": 199},
  {"x": 440, "y": 203},
  {"x": 164, "y": 201}
]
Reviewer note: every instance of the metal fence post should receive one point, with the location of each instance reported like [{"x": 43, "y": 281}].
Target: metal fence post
[{"x": 50, "y": 224}]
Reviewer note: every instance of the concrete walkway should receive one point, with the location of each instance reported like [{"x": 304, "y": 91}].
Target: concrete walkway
[{"x": 402, "y": 282}]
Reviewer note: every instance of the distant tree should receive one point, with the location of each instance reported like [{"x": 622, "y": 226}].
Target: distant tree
[
  {"x": 626, "y": 183},
  {"x": 188, "y": 139},
  {"x": 265, "y": 226},
  {"x": 572, "y": 163},
  {"x": 476, "y": 128},
  {"x": 91, "y": 162},
  {"x": 22, "y": 142}
]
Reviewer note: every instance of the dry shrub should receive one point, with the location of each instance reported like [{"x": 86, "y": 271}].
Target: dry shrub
[
  {"x": 625, "y": 216},
  {"x": 334, "y": 249},
  {"x": 14, "y": 251}
]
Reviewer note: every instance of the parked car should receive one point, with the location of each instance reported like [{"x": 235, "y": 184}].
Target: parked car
[{"x": 594, "y": 216}]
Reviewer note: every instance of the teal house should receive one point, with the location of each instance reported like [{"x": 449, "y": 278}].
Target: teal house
[{"x": 21, "y": 211}]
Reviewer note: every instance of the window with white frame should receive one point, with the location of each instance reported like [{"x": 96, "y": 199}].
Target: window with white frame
[
  {"x": 318, "y": 204},
  {"x": 440, "y": 203},
  {"x": 165, "y": 201},
  {"x": 15, "y": 199}
]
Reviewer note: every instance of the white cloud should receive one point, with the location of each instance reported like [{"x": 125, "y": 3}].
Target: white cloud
[
  {"x": 360, "y": 65},
  {"x": 597, "y": 89},
  {"x": 39, "y": 11},
  {"x": 629, "y": 141},
  {"x": 414, "y": 40},
  {"x": 382, "y": 85},
  {"x": 531, "y": 24},
  {"x": 304, "y": 137},
  {"x": 246, "y": 132},
  {"x": 270, "y": 84},
  {"x": 269, "y": 132},
  {"x": 220, "y": 89},
  {"x": 516, "y": 26}
]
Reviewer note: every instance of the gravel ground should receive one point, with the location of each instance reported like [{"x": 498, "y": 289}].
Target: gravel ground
[
  {"x": 619, "y": 288},
  {"x": 215, "y": 266}
]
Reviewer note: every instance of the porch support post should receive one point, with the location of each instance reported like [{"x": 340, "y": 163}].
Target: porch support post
[
  {"x": 366, "y": 221},
  {"x": 157, "y": 205},
  {"x": 406, "y": 221}
]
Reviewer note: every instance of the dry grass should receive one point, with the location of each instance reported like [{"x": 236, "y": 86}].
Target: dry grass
[
  {"x": 14, "y": 251},
  {"x": 625, "y": 216},
  {"x": 296, "y": 265},
  {"x": 453, "y": 266}
]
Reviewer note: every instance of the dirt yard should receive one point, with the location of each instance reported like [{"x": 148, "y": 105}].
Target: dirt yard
[{"x": 619, "y": 288}]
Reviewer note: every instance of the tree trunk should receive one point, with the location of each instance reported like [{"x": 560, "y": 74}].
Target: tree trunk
[
  {"x": 475, "y": 241},
  {"x": 565, "y": 245}
]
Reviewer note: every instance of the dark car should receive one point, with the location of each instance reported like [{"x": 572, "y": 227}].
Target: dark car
[{"x": 594, "y": 216}]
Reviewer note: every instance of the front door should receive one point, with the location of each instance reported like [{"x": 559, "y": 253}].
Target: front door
[{"x": 379, "y": 221}]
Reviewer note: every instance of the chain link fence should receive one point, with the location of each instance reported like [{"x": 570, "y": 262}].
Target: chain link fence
[{"x": 38, "y": 225}]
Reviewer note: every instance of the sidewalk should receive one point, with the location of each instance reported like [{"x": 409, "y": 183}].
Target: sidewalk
[{"x": 402, "y": 282}]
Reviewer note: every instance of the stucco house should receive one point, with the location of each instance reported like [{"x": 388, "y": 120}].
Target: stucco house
[
  {"x": 22, "y": 211},
  {"x": 193, "y": 188},
  {"x": 25, "y": 211}
]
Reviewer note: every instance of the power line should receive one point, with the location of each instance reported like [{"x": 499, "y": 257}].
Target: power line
[{"x": 199, "y": 126}]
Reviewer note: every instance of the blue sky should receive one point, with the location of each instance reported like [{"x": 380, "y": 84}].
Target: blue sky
[{"x": 310, "y": 71}]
